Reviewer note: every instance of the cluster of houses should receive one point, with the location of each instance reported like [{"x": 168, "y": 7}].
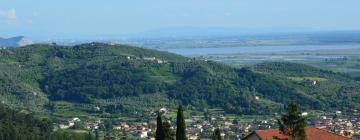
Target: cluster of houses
[
  {"x": 148, "y": 58},
  {"x": 137, "y": 129},
  {"x": 231, "y": 129},
  {"x": 141, "y": 130},
  {"x": 329, "y": 126},
  {"x": 319, "y": 129},
  {"x": 93, "y": 124},
  {"x": 70, "y": 123},
  {"x": 347, "y": 126}
]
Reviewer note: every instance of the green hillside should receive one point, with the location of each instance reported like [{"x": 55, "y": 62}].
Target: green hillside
[
  {"x": 328, "y": 89},
  {"x": 123, "y": 79}
]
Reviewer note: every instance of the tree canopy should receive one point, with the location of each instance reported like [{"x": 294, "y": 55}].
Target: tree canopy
[{"x": 293, "y": 123}]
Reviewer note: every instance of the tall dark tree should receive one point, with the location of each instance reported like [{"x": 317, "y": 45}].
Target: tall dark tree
[
  {"x": 159, "y": 128},
  {"x": 292, "y": 123},
  {"x": 97, "y": 134},
  {"x": 180, "y": 124},
  {"x": 169, "y": 133},
  {"x": 216, "y": 135},
  {"x": 89, "y": 136}
]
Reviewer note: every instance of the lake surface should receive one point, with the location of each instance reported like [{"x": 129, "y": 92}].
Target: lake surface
[{"x": 257, "y": 49}]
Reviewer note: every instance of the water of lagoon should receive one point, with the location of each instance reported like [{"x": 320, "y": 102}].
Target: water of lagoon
[{"x": 257, "y": 49}]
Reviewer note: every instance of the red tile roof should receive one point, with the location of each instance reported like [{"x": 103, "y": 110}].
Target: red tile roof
[{"x": 311, "y": 134}]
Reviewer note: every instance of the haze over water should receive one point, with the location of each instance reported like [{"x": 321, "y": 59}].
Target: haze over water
[{"x": 257, "y": 49}]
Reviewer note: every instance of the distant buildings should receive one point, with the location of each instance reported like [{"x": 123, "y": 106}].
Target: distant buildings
[
  {"x": 330, "y": 123},
  {"x": 70, "y": 123},
  {"x": 147, "y": 58}
]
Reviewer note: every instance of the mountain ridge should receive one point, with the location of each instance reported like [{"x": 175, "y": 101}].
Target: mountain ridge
[{"x": 17, "y": 41}]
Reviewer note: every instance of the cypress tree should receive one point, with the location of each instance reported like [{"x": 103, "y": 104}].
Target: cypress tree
[
  {"x": 97, "y": 134},
  {"x": 159, "y": 129},
  {"x": 180, "y": 123},
  {"x": 216, "y": 135},
  {"x": 89, "y": 136},
  {"x": 292, "y": 123}
]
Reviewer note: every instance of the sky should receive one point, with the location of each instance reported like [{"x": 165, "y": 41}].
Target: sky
[{"x": 68, "y": 18}]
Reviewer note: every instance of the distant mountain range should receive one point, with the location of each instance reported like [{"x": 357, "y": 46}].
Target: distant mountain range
[{"x": 15, "y": 41}]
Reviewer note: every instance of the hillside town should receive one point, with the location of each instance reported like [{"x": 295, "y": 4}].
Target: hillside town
[{"x": 202, "y": 128}]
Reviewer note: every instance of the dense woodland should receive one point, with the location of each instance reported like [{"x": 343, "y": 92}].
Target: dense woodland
[
  {"x": 21, "y": 126},
  {"x": 17, "y": 125},
  {"x": 119, "y": 77}
]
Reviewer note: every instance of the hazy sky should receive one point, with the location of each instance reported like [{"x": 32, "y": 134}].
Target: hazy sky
[{"x": 89, "y": 17}]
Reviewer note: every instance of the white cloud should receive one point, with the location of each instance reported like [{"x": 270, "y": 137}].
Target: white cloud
[{"x": 9, "y": 14}]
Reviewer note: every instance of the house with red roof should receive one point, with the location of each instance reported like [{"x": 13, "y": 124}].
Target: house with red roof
[{"x": 311, "y": 134}]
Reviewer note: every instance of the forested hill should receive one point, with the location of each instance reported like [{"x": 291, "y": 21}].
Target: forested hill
[
  {"x": 21, "y": 126},
  {"x": 328, "y": 89},
  {"x": 96, "y": 74}
]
